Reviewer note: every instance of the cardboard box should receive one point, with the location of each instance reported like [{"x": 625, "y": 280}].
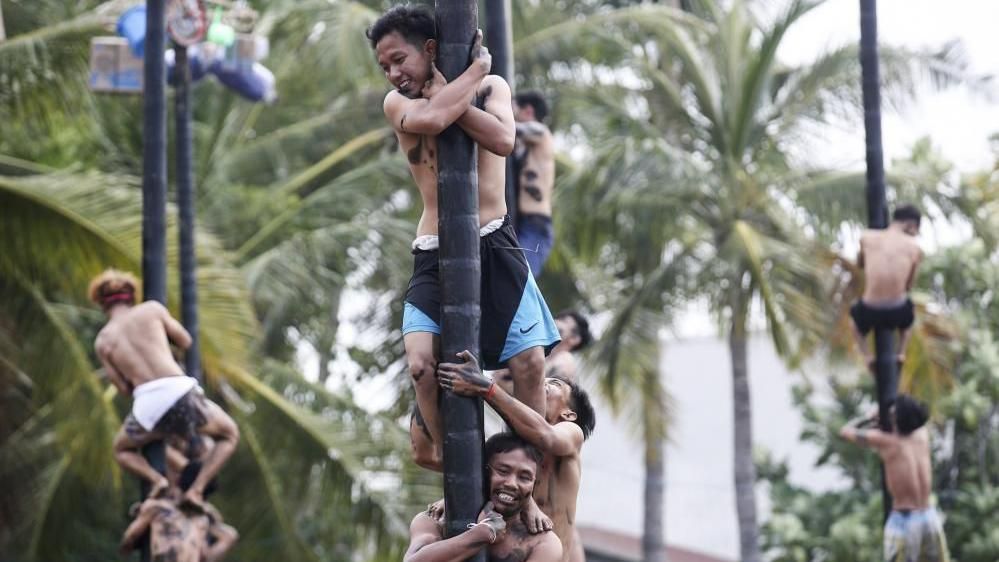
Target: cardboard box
[{"x": 113, "y": 66}]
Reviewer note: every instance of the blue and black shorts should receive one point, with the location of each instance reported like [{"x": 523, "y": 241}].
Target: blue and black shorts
[{"x": 514, "y": 316}]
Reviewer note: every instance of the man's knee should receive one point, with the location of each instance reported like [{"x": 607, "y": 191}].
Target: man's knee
[{"x": 421, "y": 369}]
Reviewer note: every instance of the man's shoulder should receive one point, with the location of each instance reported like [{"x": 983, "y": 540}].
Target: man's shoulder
[{"x": 495, "y": 81}]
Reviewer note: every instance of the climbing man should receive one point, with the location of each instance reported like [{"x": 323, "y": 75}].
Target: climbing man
[
  {"x": 913, "y": 531},
  {"x": 134, "y": 348},
  {"x": 890, "y": 259},
  {"x": 559, "y": 434},
  {"x": 517, "y": 328},
  {"x": 511, "y": 469},
  {"x": 534, "y": 165},
  {"x": 179, "y": 534}
]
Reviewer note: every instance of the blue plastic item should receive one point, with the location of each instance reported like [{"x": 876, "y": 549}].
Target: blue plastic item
[{"x": 132, "y": 26}]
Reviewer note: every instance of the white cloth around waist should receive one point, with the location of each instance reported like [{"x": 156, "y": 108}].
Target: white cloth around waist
[
  {"x": 155, "y": 398},
  {"x": 432, "y": 241}
]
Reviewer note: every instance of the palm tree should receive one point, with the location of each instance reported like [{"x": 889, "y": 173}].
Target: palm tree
[
  {"x": 691, "y": 170},
  {"x": 302, "y": 448}
]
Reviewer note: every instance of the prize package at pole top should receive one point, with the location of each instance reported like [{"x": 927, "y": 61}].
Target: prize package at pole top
[{"x": 223, "y": 47}]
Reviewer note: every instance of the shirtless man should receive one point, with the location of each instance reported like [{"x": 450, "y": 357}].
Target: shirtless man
[
  {"x": 134, "y": 348},
  {"x": 178, "y": 534},
  {"x": 517, "y": 328},
  {"x": 890, "y": 259},
  {"x": 559, "y": 434},
  {"x": 511, "y": 468},
  {"x": 913, "y": 530},
  {"x": 534, "y": 163}
]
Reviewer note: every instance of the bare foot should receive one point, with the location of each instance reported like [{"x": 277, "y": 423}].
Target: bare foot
[
  {"x": 193, "y": 500},
  {"x": 159, "y": 488}
]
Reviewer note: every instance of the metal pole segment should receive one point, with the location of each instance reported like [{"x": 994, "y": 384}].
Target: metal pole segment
[
  {"x": 458, "y": 224},
  {"x": 499, "y": 36},
  {"x": 185, "y": 207},
  {"x": 154, "y": 191},
  {"x": 877, "y": 209}
]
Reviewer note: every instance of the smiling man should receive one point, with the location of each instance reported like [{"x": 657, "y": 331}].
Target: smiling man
[
  {"x": 517, "y": 328},
  {"x": 511, "y": 470},
  {"x": 559, "y": 434}
]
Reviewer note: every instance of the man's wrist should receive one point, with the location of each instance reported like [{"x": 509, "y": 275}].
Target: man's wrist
[{"x": 490, "y": 391}]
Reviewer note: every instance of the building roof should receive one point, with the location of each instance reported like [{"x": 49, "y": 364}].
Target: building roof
[{"x": 628, "y": 548}]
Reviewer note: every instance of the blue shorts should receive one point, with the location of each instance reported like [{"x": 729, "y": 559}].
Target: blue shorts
[
  {"x": 537, "y": 236},
  {"x": 514, "y": 316}
]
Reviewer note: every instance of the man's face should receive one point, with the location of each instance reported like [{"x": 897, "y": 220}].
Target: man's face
[
  {"x": 557, "y": 396},
  {"x": 522, "y": 113},
  {"x": 511, "y": 481},
  {"x": 567, "y": 330},
  {"x": 406, "y": 66}
]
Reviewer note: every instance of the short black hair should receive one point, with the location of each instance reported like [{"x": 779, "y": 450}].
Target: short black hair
[
  {"x": 582, "y": 328},
  {"x": 579, "y": 401},
  {"x": 534, "y": 99},
  {"x": 190, "y": 474},
  {"x": 414, "y": 22},
  {"x": 508, "y": 441},
  {"x": 910, "y": 414},
  {"x": 904, "y": 213}
]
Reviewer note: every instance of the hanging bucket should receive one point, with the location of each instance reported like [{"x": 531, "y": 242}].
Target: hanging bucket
[{"x": 132, "y": 26}]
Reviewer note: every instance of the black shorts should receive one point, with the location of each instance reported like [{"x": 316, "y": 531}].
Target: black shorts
[
  {"x": 514, "y": 315},
  {"x": 866, "y": 317}
]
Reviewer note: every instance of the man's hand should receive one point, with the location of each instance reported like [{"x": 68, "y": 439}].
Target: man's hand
[
  {"x": 490, "y": 518},
  {"x": 464, "y": 379},
  {"x": 535, "y": 519},
  {"x": 436, "y": 509},
  {"x": 480, "y": 55},
  {"x": 434, "y": 85}
]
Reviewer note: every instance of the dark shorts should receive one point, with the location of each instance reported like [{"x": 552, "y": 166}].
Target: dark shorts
[
  {"x": 537, "y": 236},
  {"x": 182, "y": 420},
  {"x": 514, "y": 315},
  {"x": 866, "y": 317}
]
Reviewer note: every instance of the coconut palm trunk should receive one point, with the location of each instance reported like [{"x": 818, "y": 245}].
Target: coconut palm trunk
[
  {"x": 653, "y": 531},
  {"x": 458, "y": 225},
  {"x": 877, "y": 207},
  {"x": 742, "y": 412}
]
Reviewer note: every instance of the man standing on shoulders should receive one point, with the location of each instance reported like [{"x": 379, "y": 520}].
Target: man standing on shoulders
[
  {"x": 534, "y": 166},
  {"x": 913, "y": 531},
  {"x": 134, "y": 348},
  {"x": 890, "y": 259}
]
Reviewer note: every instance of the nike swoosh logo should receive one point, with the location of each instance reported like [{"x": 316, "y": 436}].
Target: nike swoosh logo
[{"x": 523, "y": 331}]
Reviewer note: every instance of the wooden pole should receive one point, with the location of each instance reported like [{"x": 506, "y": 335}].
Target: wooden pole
[{"x": 458, "y": 216}]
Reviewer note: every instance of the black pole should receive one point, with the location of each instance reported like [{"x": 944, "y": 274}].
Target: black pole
[
  {"x": 499, "y": 35},
  {"x": 877, "y": 210},
  {"x": 185, "y": 207},
  {"x": 458, "y": 224},
  {"x": 154, "y": 189}
]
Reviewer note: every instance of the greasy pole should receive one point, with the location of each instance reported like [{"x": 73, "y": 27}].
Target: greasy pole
[{"x": 885, "y": 367}]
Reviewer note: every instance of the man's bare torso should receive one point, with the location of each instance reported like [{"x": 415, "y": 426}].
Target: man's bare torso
[
  {"x": 421, "y": 153},
  {"x": 176, "y": 536},
  {"x": 135, "y": 343},
  {"x": 907, "y": 469},
  {"x": 890, "y": 258},
  {"x": 555, "y": 493},
  {"x": 537, "y": 170}
]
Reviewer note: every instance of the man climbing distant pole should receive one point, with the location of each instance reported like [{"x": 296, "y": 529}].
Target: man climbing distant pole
[
  {"x": 134, "y": 348},
  {"x": 914, "y": 531},
  {"x": 517, "y": 328},
  {"x": 890, "y": 258},
  {"x": 534, "y": 165}
]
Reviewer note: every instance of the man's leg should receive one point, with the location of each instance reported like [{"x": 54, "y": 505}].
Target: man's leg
[
  {"x": 225, "y": 435},
  {"x": 128, "y": 452},
  {"x": 424, "y": 450},
  {"x": 421, "y": 355},
  {"x": 528, "y": 370},
  {"x": 903, "y": 341}
]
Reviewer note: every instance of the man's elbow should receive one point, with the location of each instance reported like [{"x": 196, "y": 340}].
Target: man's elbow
[{"x": 504, "y": 146}]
